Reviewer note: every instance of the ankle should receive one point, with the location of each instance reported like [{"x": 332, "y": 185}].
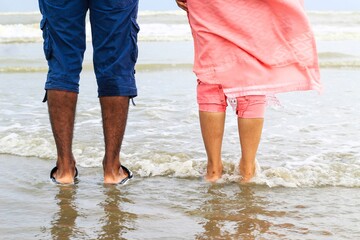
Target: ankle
[
  {"x": 215, "y": 168},
  {"x": 247, "y": 169},
  {"x": 66, "y": 164},
  {"x": 110, "y": 166},
  {"x": 214, "y": 171}
]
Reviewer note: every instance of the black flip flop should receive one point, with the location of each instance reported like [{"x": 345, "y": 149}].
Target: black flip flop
[
  {"x": 53, "y": 179},
  {"x": 129, "y": 173}
]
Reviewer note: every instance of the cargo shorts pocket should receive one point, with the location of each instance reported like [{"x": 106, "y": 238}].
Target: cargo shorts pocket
[
  {"x": 134, "y": 37},
  {"x": 46, "y": 36}
]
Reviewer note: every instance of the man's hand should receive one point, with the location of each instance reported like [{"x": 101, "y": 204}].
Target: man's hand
[{"x": 182, "y": 4}]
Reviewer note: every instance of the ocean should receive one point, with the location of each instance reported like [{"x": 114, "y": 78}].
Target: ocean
[{"x": 308, "y": 186}]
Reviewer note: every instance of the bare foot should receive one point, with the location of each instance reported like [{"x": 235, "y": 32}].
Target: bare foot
[
  {"x": 247, "y": 171},
  {"x": 63, "y": 175},
  {"x": 114, "y": 175},
  {"x": 213, "y": 173}
]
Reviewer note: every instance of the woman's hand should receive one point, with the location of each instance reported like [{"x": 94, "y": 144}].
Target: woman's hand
[{"x": 182, "y": 4}]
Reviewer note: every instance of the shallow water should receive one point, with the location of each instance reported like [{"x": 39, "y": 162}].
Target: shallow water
[{"x": 166, "y": 208}]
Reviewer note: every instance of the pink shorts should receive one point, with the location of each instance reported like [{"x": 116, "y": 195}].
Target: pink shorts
[{"x": 211, "y": 98}]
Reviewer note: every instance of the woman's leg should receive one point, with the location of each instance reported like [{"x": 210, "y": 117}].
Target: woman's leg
[
  {"x": 250, "y": 130},
  {"x": 250, "y": 110},
  {"x": 212, "y": 108},
  {"x": 212, "y": 129}
]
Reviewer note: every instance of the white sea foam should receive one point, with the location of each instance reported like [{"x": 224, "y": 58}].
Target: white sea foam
[
  {"x": 165, "y": 32},
  {"x": 173, "y": 26},
  {"x": 19, "y": 33},
  {"x": 316, "y": 171}
]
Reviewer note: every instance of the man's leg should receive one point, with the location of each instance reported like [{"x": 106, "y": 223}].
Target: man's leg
[
  {"x": 212, "y": 129},
  {"x": 62, "y": 106},
  {"x": 114, "y": 31},
  {"x": 250, "y": 130},
  {"x": 114, "y": 115},
  {"x": 63, "y": 26}
]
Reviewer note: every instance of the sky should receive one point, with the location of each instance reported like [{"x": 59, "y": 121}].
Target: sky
[{"x": 320, "y": 5}]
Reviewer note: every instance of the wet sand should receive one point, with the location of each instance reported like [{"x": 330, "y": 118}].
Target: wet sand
[{"x": 31, "y": 207}]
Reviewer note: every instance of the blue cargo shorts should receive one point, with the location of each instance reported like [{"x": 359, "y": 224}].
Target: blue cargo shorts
[{"x": 114, "y": 38}]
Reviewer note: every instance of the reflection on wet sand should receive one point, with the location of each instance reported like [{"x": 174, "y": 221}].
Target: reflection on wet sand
[
  {"x": 116, "y": 221},
  {"x": 63, "y": 225},
  {"x": 113, "y": 223},
  {"x": 236, "y": 213}
]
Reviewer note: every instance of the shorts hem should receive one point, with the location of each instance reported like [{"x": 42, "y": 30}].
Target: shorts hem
[
  {"x": 58, "y": 83},
  {"x": 212, "y": 108},
  {"x": 130, "y": 94}
]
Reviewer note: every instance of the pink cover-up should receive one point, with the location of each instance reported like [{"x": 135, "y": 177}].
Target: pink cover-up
[{"x": 254, "y": 47}]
